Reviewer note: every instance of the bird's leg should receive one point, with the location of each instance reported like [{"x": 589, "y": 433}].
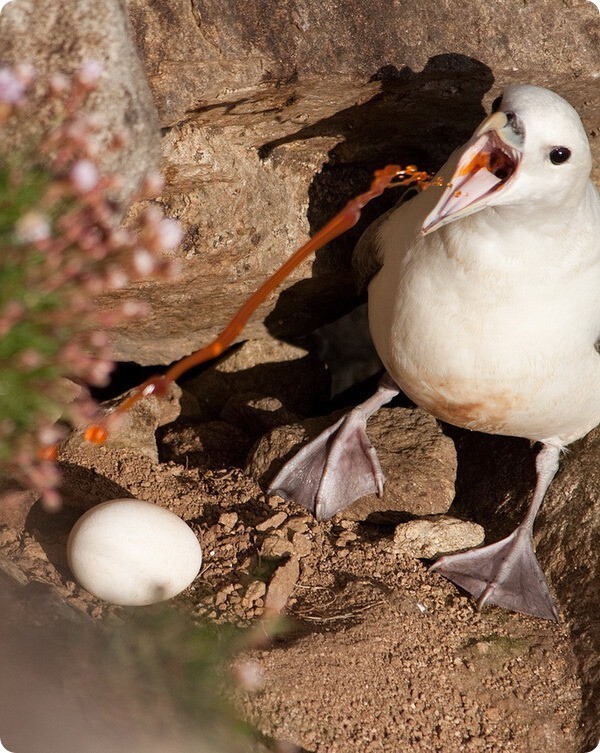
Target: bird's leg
[
  {"x": 507, "y": 573},
  {"x": 340, "y": 465}
]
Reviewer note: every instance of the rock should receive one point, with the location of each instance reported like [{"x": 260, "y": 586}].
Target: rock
[
  {"x": 569, "y": 531},
  {"x": 228, "y": 520},
  {"x": 255, "y": 591},
  {"x": 302, "y": 545},
  {"x": 66, "y": 392},
  {"x": 136, "y": 429},
  {"x": 268, "y": 131},
  {"x": 266, "y": 369},
  {"x": 273, "y": 522},
  {"x": 297, "y": 525},
  {"x": 282, "y": 585},
  {"x": 273, "y": 449},
  {"x": 430, "y": 538},
  {"x": 276, "y": 547},
  {"x": 10, "y": 571},
  {"x": 345, "y": 538},
  {"x": 418, "y": 460},
  {"x": 190, "y": 410},
  {"x": 220, "y": 51},
  {"x": 222, "y": 595},
  {"x": 15, "y": 504},
  {"x": 56, "y": 37}
]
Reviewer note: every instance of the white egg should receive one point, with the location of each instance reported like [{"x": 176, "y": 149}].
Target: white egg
[{"x": 133, "y": 553}]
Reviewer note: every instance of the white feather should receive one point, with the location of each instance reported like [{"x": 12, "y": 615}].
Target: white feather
[{"x": 491, "y": 321}]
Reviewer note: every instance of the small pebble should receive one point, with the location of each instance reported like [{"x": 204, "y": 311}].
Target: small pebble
[
  {"x": 297, "y": 525},
  {"x": 430, "y": 537},
  {"x": 302, "y": 545},
  {"x": 282, "y": 585},
  {"x": 255, "y": 591},
  {"x": 275, "y": 547},
  {"x": 273, "y": 522},
  {"x": 228, "y": 520}
]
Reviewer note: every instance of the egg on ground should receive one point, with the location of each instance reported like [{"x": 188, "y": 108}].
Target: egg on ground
[{"x": 133, "y": 553}]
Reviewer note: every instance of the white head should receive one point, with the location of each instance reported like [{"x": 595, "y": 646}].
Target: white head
[{"x": 532, "y": 149}]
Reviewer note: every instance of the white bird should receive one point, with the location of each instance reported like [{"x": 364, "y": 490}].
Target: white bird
[{"x": 484, "y": 307}]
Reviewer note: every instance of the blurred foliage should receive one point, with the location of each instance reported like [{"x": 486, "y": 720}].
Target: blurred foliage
[
  {"x": 62, "y": 245},
  {"x": 142, "y": 680}
]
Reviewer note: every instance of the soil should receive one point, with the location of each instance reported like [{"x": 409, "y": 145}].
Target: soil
[{"x": 377, "y": 654}]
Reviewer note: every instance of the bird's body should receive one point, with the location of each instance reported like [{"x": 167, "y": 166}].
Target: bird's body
[
  {"x": 491, "y": 324},
  {"x": 484, "y": 307}
]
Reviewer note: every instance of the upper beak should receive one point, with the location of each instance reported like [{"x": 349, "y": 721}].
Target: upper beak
[{"x": 488, "y": 162}]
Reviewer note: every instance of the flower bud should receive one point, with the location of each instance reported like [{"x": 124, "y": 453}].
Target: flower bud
[
  {"x": 11, "y": 88},
  {"x": 33, "y": 227},
  {"x": 169, "y": 234},
  {"x": 84, "y": 176},
  {"x": 89, "y": 73}
]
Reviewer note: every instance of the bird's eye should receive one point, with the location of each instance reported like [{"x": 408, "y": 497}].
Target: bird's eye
[
  {"x": 496, "y": 104},
  {"x": 559, "y": 155}
]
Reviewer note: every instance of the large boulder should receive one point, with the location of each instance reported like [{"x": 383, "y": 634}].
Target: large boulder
[
  {"x": 56, "y": 36},
  {"x": 272, "y": 118}
]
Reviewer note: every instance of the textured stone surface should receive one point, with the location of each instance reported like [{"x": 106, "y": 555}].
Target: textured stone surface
[
  {"x": 419, "y": 462},
  {"x": 211, "y": 444},
  {"x": 494, "y": 485},
  {"x": 282, "y": 585},
  {"x": 137, "y": 428},
  {"x": 16, "y": 504},
  {"x": 431, "y": 537},
  {"x": 55, "y": 37},
  {"x": 274, "y": 117},
  {"x": 220, "y": 49},
  {"x": 569, "y": 547}
]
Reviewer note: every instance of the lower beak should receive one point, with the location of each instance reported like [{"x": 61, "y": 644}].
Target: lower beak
[{"x": 487, "y": 164}]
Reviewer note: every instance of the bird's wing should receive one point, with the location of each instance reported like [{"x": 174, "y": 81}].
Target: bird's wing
[{"x": 367, "y": 259}]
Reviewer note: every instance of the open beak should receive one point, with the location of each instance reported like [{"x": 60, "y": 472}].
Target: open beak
[{"x": 488, "y": 163}]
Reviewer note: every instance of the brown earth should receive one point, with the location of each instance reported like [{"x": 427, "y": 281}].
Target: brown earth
[{"x": 378, "y": 654}]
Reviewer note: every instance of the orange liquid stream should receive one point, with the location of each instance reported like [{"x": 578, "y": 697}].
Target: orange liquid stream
[{"x": 389, "y": 176}]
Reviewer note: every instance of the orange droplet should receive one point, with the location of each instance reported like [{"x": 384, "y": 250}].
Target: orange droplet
[
  {"x": 50, "y": 452},
  {"x": 96, "y": 434},
  {"x": 480, "y": 161}
]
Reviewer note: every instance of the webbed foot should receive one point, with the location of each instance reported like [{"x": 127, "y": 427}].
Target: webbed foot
[
  {"x": 339, "y": 466},
  {"x": 334, "y": 469},
  {"x": 506, "y": 573}
]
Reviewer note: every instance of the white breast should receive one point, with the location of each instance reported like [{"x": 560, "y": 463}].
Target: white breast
[{"x": 491, "y": 331}]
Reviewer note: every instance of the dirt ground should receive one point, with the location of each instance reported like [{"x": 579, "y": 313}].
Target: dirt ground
[{"x": 378, "y": 655}]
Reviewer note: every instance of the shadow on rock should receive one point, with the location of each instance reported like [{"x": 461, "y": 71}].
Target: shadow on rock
[
  {"x": 495, "y": 478},
  {"x": 416, "y": 118}
]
